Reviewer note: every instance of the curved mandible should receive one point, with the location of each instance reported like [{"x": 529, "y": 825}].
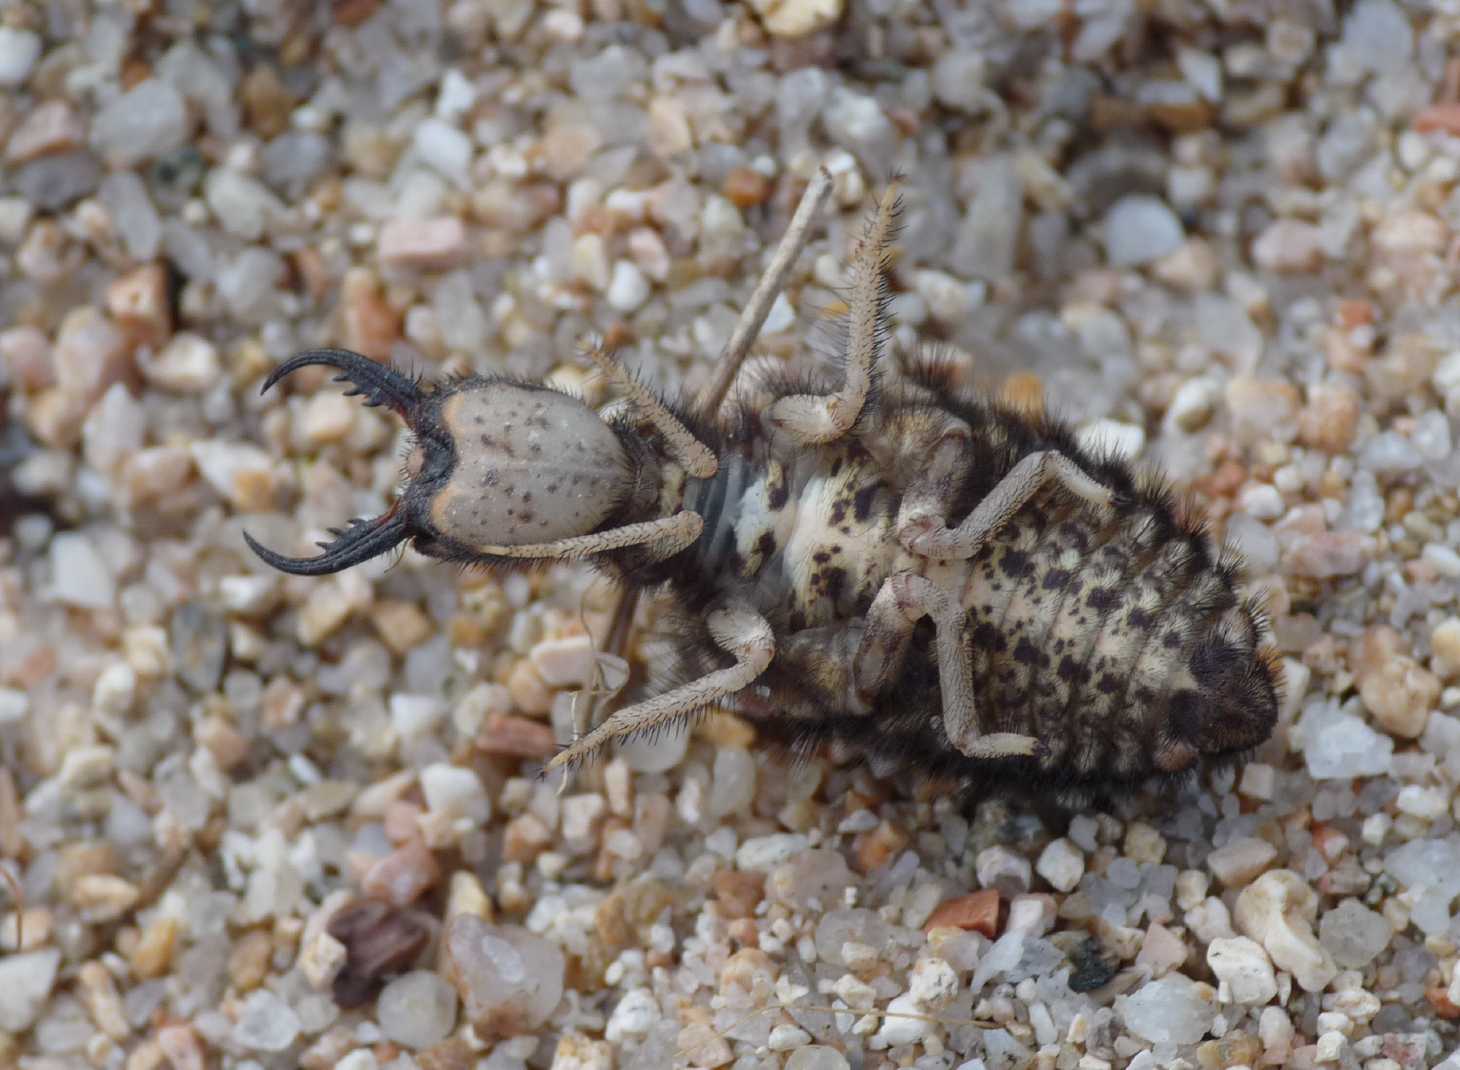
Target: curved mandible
[
  {"x": 361, "y": 541},
  {"x": 376, "y": 383}
]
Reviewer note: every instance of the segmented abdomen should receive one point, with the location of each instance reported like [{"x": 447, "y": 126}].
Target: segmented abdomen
[{"x": 1082, "y": 634}]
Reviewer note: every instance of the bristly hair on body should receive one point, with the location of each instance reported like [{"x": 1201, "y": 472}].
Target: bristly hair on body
[{"x": 870, "y": 563}]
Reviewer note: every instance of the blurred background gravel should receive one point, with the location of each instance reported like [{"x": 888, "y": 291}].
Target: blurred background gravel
[{"x": 260, "y": 821}]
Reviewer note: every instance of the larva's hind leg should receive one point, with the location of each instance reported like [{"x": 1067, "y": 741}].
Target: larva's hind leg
[
  {"x": 812, "y": 419},
  {"x": 921, "y": 522},
  {"x": 738, "y": 631},
  {"x": 902, "y": 601}
]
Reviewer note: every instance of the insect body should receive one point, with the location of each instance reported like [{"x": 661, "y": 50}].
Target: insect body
[{"x": 918, "y": 577}]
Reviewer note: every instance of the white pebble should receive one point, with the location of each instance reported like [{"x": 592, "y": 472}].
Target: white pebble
[
  {"x": 1244, "y": 969},
  {"x": 1172, "y": 1010},
  {"x": 187, "y": 365},
  {"x": 19, "y": 50},
  {"x": 414, "y": 715},
  {"x": 1238, "y": 861},
  {"x": 446, "y": 150},
  {"x": 1425, "y": 803},
  {"x": 787, "y": 1038},
  {"x": 266, "y": 1023},
  {"x": 634, "y": 1016},
  {"x": 1061, "y": 864},
  {"x": 14, "y": 704},
  {"x": 761, "y": 853},
  {"x": 148, "y": 120},
  {"x": 900, "y": 1026},
  {"x": 25, "y": 983},
  {"x": 80, "y": 575},
  {"x": 1277, "y": 910},
  {"x": 1140, "y": 228},
  {"x": 115, "y": 689},
  {"x": 417, "y": 1009},
  {"x": 455, "y": 791},
  {"x": 627, "y": 289},
  {"x": 999, "y": 867}
]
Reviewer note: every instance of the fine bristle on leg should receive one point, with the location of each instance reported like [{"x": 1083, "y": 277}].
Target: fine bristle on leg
[
  {"x": 741, "y": 632},
  {"x": 928, "y": 535},
  {"x": 820, "y": 418}
]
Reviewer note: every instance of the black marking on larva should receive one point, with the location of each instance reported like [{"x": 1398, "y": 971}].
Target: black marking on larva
[{"x": 1113, "y": 639}]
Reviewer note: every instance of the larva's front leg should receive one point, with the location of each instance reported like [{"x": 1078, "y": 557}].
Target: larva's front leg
[
  {"x": 739, "y": 631},
  {"x": 922, "y": 527},
  {"x": 904, "y": 599},
  {"x": 813, "y": 419}
]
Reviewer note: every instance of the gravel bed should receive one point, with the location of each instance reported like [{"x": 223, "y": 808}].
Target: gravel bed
[{"x": 259, "y": 821}]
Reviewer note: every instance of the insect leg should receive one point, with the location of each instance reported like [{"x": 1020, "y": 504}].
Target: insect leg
[
  {"x": 694, "y": 455},
  {"x": 712, "y": 396},
  {"x": 739, "y": 631},
  {"x": 818, "y": 418},
  {"x": 665, "y": 537},
  {"x": 903, "y": 600},
  {"x": 752, "y": 317},
  {"x": 924, "y": 532}
]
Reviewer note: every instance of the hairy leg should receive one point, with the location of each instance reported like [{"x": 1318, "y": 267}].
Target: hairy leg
[
  {"x": 812, "y": 419},
  {"x": 921, "y": 523},
  {"x": 738, "y": 631},
  {"x": 902, "y": 601}
]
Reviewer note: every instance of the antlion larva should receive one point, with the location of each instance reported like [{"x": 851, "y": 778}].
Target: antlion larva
[{"x": 922, "y": 578}]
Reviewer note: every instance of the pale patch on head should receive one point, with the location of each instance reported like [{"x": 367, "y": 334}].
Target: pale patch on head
[{"x": 531, "y": 466}]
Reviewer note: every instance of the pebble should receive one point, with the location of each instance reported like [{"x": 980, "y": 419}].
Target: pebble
[
  {"x": 821, "y": 1057},
  {"x": 1172, "y": 1010},
  {"x": 628, "y": 289},
  {"x": 509, "y": 980},
  {"x": 147, "y": 121},
  {"x": 633, "y": 1017},
  {"x": 797, "y": 18},
  {"x": 1396, "y": 689},
  {"x": 1244, "y": 970},
  {"x": 1005, "y": 870},
  {"x": 455, "y": 792},
  {"x": 1445, "y": 648},
  {"x": 80, "y": 575},
  {"x": 577, "y": 1052},
  {"x": 1277, "y": 910},
  {"x": 1238, "y": 861},
  {"x": 977, "y": 911},
  {"x": 401, "y": 877},
  {"x": 25, "y": 984},
  {"x": 1289, "y": 246},
  {"x": 49, "y": 129},
  {"x": 266, "y": 1023},
  {"x": 1139, "y": 229},
  {"x": 242, "y": 473},
  {"x": 1061, "y": 864},
  {"x": 417, "y": 1009},
  {"x": 19, "y": 50},
  {"x": 762, "y": 853},
  {"x": 701, "y": 1045},
  {"x": 422, "y": 244},
  {"x": 732, "y": 787},
  {"x": 1353, "y": 934},
  {"x": 91, "y": 354},
  {"x": 1161, "y": 950},
  {"x": 1340, "y": 746}
]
